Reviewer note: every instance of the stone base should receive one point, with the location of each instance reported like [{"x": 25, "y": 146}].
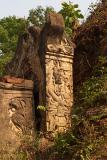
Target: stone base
[{"x": 16, "y": 114}]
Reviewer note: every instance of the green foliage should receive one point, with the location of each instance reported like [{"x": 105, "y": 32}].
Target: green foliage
[
  {"x": 28, "y": 147},
  {"x": 3, "y": 34},
  {"x": 71, "y": 14},
  {"x": 37, "y": 16},
  {"x": 4, "y": 59},
  {"x": 42, "y": 108},
  {"x": 10, "y": 29},
  {"x": 63, "y": 142},
  {"x": 79, "y": 143},
  {"x": 21, "y": 156},
  {"x": 93, "y": 90},
  {"x": 85, "y": 138}
]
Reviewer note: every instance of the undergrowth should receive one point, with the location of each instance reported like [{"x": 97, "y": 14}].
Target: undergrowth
[{"x": 87, "y": 134}]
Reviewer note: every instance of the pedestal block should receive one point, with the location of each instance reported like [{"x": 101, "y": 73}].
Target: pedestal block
[{"x": 16, "y": 114}]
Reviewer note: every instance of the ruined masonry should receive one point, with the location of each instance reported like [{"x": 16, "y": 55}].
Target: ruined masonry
[
  {"x": 16, "y": 113},
  {"x": 45, "y": 56},
  {"x": 59, "y": 87}
]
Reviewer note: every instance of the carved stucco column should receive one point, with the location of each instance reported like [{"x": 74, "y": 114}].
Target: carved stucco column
[
  {"x": 59, "y": 80},
  {"x": 16, "y": 113}
]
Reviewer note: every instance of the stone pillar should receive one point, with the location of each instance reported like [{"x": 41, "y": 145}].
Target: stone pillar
[
  {"x": 16, "y": 113},
  {"x": 59, "y": 80}
]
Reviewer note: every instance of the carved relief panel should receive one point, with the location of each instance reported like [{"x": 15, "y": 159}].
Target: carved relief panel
[
  {"x": 16, "y": 118},
  {"x": 59, "y": 89},
  {"x": 20, "y": 113}
]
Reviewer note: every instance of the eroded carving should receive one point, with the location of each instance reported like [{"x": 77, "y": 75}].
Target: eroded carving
[
  {"x": 59, "y": 95},
  {"x": 60, "y": 48},
  {"x": 16, "y": 119},
  {"x": 20, "y": 114},
  {"x": 58, "y": 61},
  {"x": 17, "y": 107},
  {"x": 47, "y": 51},
  {"x": 56, "y": 48}
]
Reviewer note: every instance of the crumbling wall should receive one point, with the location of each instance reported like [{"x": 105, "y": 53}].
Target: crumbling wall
[
  {"x": 46, "y": 57},
  {"x": 16, "y": 113}
]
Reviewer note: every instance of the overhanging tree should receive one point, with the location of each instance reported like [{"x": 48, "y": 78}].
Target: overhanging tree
[{"x": 71, "y": 15}]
